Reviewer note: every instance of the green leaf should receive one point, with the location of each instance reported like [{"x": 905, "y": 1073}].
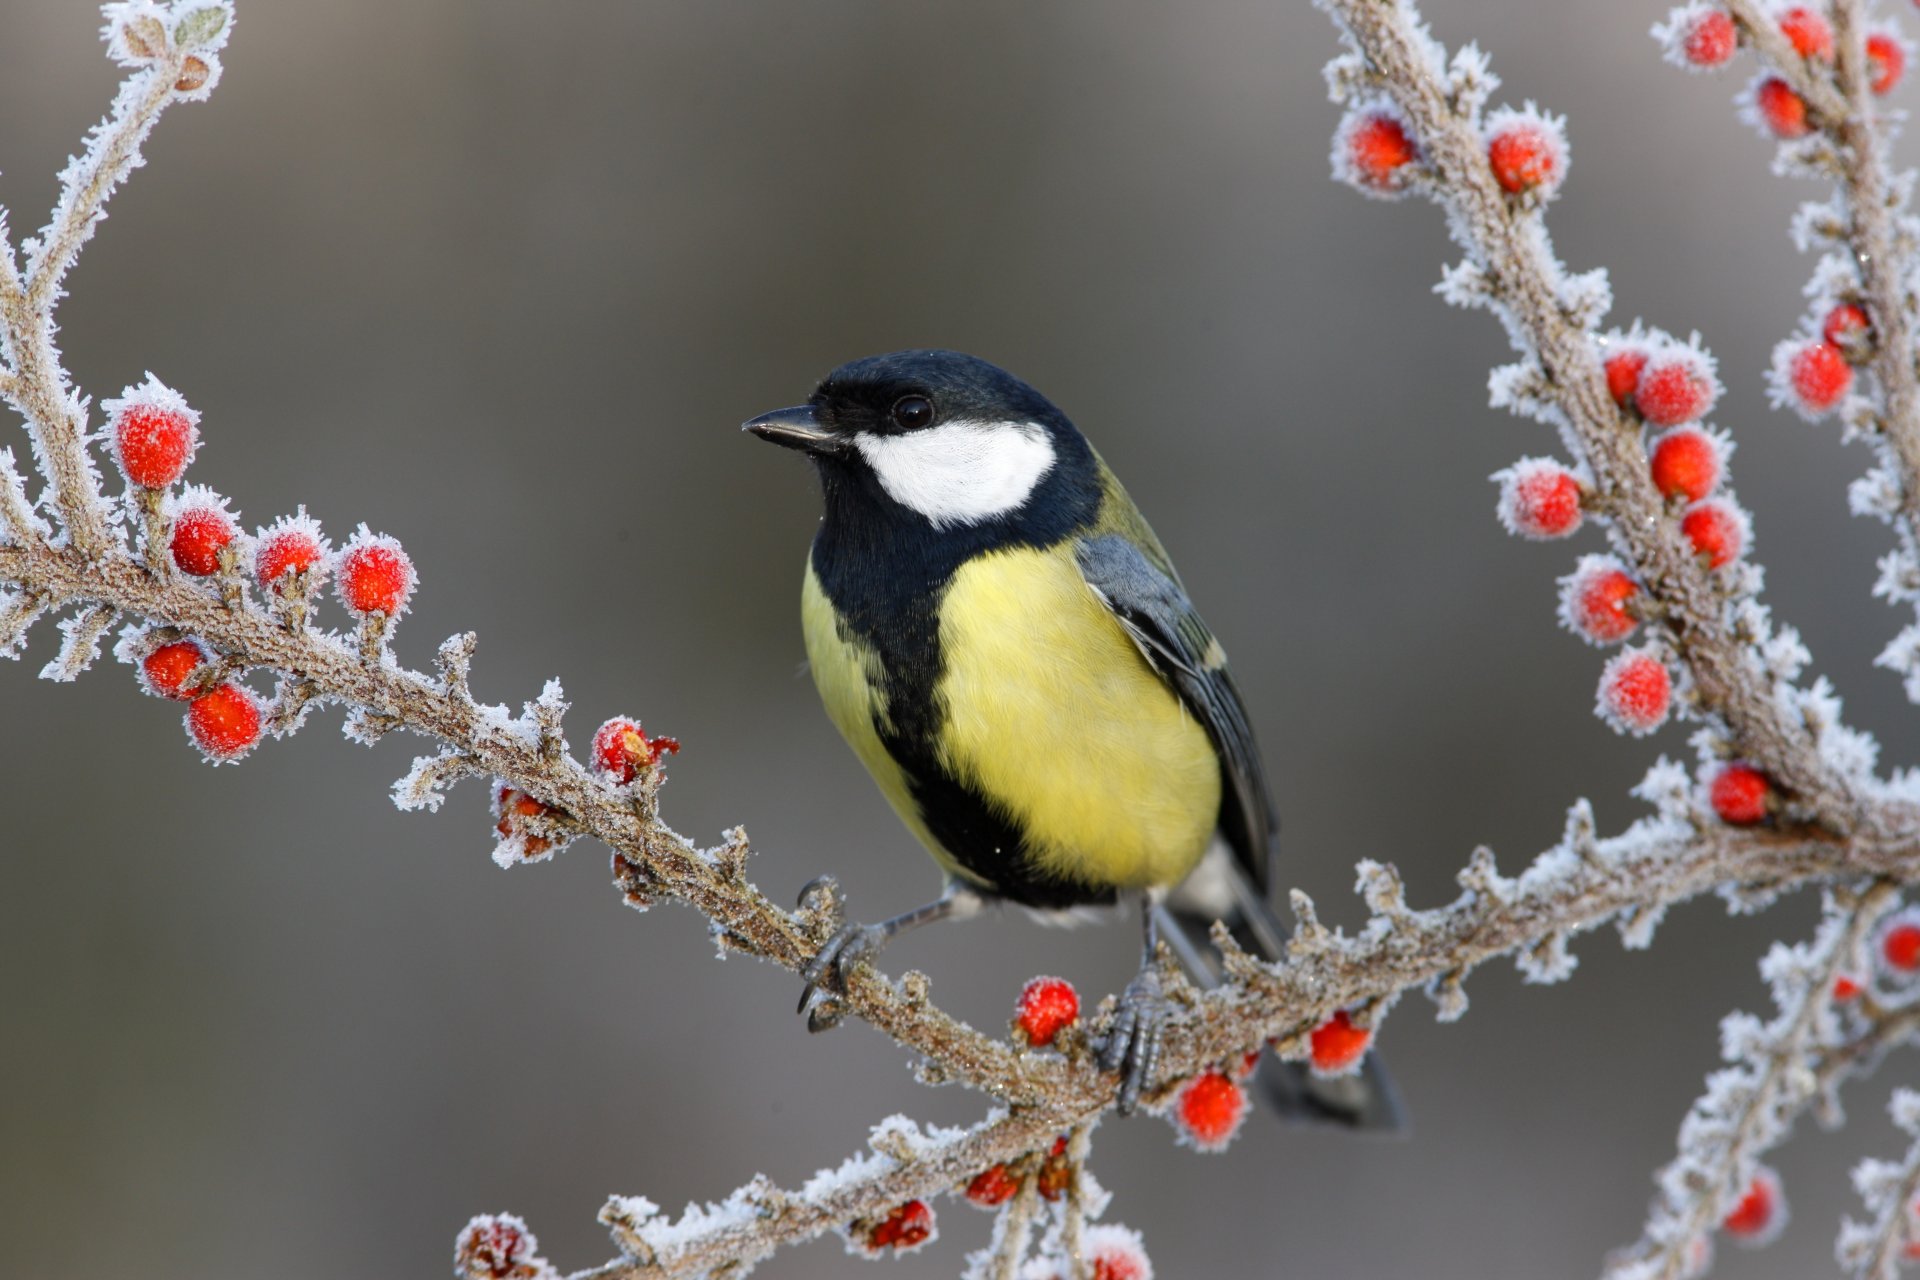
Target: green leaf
[{"x": 199, "y": 26}]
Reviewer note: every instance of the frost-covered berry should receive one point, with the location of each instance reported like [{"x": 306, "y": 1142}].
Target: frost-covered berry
[
  {"x": 1373, "y": 150},
  {"x": 154, "y": 433},
  {"x": 1886, "y": 61},
  {"x": 1896, "y": 944},
  {"x": 498, "y": 1246},
  {"x": 164, "y": 672},
  {"x": 511, "y": 808},
  {"x": 1761, "y": 1214},
  {"x": 1849, "y": 330},
  {"x": 1539, "y": 498},
  {"x": 1846, "y": 988},
  {"x": 1698, "y": 36},
  {"x": 992, "y": 1187},
  {"x": 1116, "y": 1253},
  {"x": 904, "y": 1230},
  {"x": 1740, "y": 795},
  {"x": 1056, "y": 1172},
  {"x": 1527, "y": 150},
  {"x": 1809, "y": 32},
  {"x": 1811, "y": 375},
  {"x": 201, "y": 530},
  {"x": 1209, "y": 1110},
  {"x": 1594, "y": 599},
  {"x": 1636, "y": 692},
  {"x": 1047, "y": 1006},
  {"x": 1777, "y": 107},
  {"x": 225, "y": 722},
  {"x": 1336, "y": 1046},
  {"x": 621, "y": 750},
  {"x": 1685, "y": 462},
  {"x": 290, "y": 556},
  {"x": 1717, "y": 529},
  {"x": 1623, "y": 368},
  {"x": 1678, "y": 385},
  {"x": 373, "y": 574}
]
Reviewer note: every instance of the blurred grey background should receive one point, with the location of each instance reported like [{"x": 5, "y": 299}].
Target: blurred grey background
[{"x": 501, "y": 279}]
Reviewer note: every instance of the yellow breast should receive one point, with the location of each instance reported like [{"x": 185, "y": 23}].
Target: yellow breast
[{"x": 1053, "y": 713}]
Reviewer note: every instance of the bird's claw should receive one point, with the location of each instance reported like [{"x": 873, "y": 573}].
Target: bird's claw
[
  {"x": 827, "y": 973},
  {"x": 1132, "y": 1043}
]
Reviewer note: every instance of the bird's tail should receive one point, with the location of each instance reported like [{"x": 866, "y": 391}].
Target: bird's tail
[{"x": 1220, "y": 889}]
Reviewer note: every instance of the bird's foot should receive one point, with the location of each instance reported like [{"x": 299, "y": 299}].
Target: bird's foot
[
  {"x": 827, "y": 973},
  {"x": 1132, "y": 1043}
]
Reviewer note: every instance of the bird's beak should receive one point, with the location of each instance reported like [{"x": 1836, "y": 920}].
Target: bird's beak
[{"x": 797, "y": 428}]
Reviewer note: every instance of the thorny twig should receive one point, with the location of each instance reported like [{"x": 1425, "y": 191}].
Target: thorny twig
[{"x": 1838, "y": 827}]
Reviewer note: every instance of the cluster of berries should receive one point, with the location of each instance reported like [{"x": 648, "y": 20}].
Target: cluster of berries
[
  {"x": 154, "y": 436},
  {"x": 1207, "y": 1109},
  {"x": 1374, "y": 150},
  {"x": 621, "y": 752},
  {"x": 1704, "y": 37}
]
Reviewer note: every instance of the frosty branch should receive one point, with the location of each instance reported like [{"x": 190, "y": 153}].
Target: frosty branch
[
  {"x": 1786, "y": 797},
  {"x": 1630, "y": 408}
]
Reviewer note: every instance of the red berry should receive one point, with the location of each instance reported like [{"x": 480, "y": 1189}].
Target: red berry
[
  {"x": 1056, "y": 1172},
  {"x": 1717, "y": 529},
  {"x": 225, "y": 722},
  {"x": 291, "y": 548},
  {"x": 1710, "y": 39},
  {"x": 1808, "y": 32},
  {"x": 200, "y": 533},
  {"x": 1539, "y": 498},
  {"x": 1523, "y": 157},
  {"x": 1593, "y": 600},
  {"x": 621, "y": 750},
  {"x": 1782, "y": 110},
  {"x": 1047, "y": 1006},
  {"x": 154, "y": 434},
  {"x": 1685, "y": 463},
  {"x": 904, "y": 1230},
  {"x": 1676, "y": 386},
  {"x": 498, "y": 1247},
  {"x": 1209, "y": 1110},
  {"x": 1762, "y": 1212},
  {"x": 374, "y": 575},
  {"x": 164, "y": 672},
  {"x": 1886, "y": 61},
  {"x": 510, "y": 806},
  {"x": 1377, "y": 150},
  {"x": 1116, "y": 1253},
  {"x": 1739, "y": 794},
  {"x": 1636, "y": 692},
  {"x": 1846, "y": 988},
  {"x": 1898, "y": 944},
  {"x": 1338, "y": 1045},
  {"x": 1848, "y": 328},
  {"x": 991, "y": 1187},
  {"x": 1818, "y": 376},
  {"x": 1623, "y": 370}
]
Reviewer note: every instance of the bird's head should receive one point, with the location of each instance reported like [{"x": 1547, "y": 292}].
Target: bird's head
[{"x": 942, "y": 436}]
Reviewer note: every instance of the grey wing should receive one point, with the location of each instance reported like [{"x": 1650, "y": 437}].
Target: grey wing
[{"x": 1155, "y": 610}]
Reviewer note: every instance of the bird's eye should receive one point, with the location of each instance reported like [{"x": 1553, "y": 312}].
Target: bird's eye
[{"x": 910, "y": 413}]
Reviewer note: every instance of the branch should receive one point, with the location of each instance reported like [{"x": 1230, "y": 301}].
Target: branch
[
  {"x": 1750, "y": 1106},
  {"x": 1551, "y": 318},
  {"x": 1874, "y": 1251}
]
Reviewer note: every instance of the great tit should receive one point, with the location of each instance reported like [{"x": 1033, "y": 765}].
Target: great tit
[{"x": 1005, "y": 644}]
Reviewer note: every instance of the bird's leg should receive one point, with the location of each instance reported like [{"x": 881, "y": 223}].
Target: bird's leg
[
  {"x": 1132, "y": 1044},
  {"x": 855, "y": 944}
]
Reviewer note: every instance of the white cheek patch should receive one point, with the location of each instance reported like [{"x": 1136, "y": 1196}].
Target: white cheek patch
[{"x": 960, "y": 472}]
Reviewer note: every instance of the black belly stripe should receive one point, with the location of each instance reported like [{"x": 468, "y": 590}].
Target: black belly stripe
[{"x": 885, "y": 570}]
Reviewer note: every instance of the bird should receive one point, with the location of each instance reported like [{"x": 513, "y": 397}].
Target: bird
[{"x": 1005, "y": 644}]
